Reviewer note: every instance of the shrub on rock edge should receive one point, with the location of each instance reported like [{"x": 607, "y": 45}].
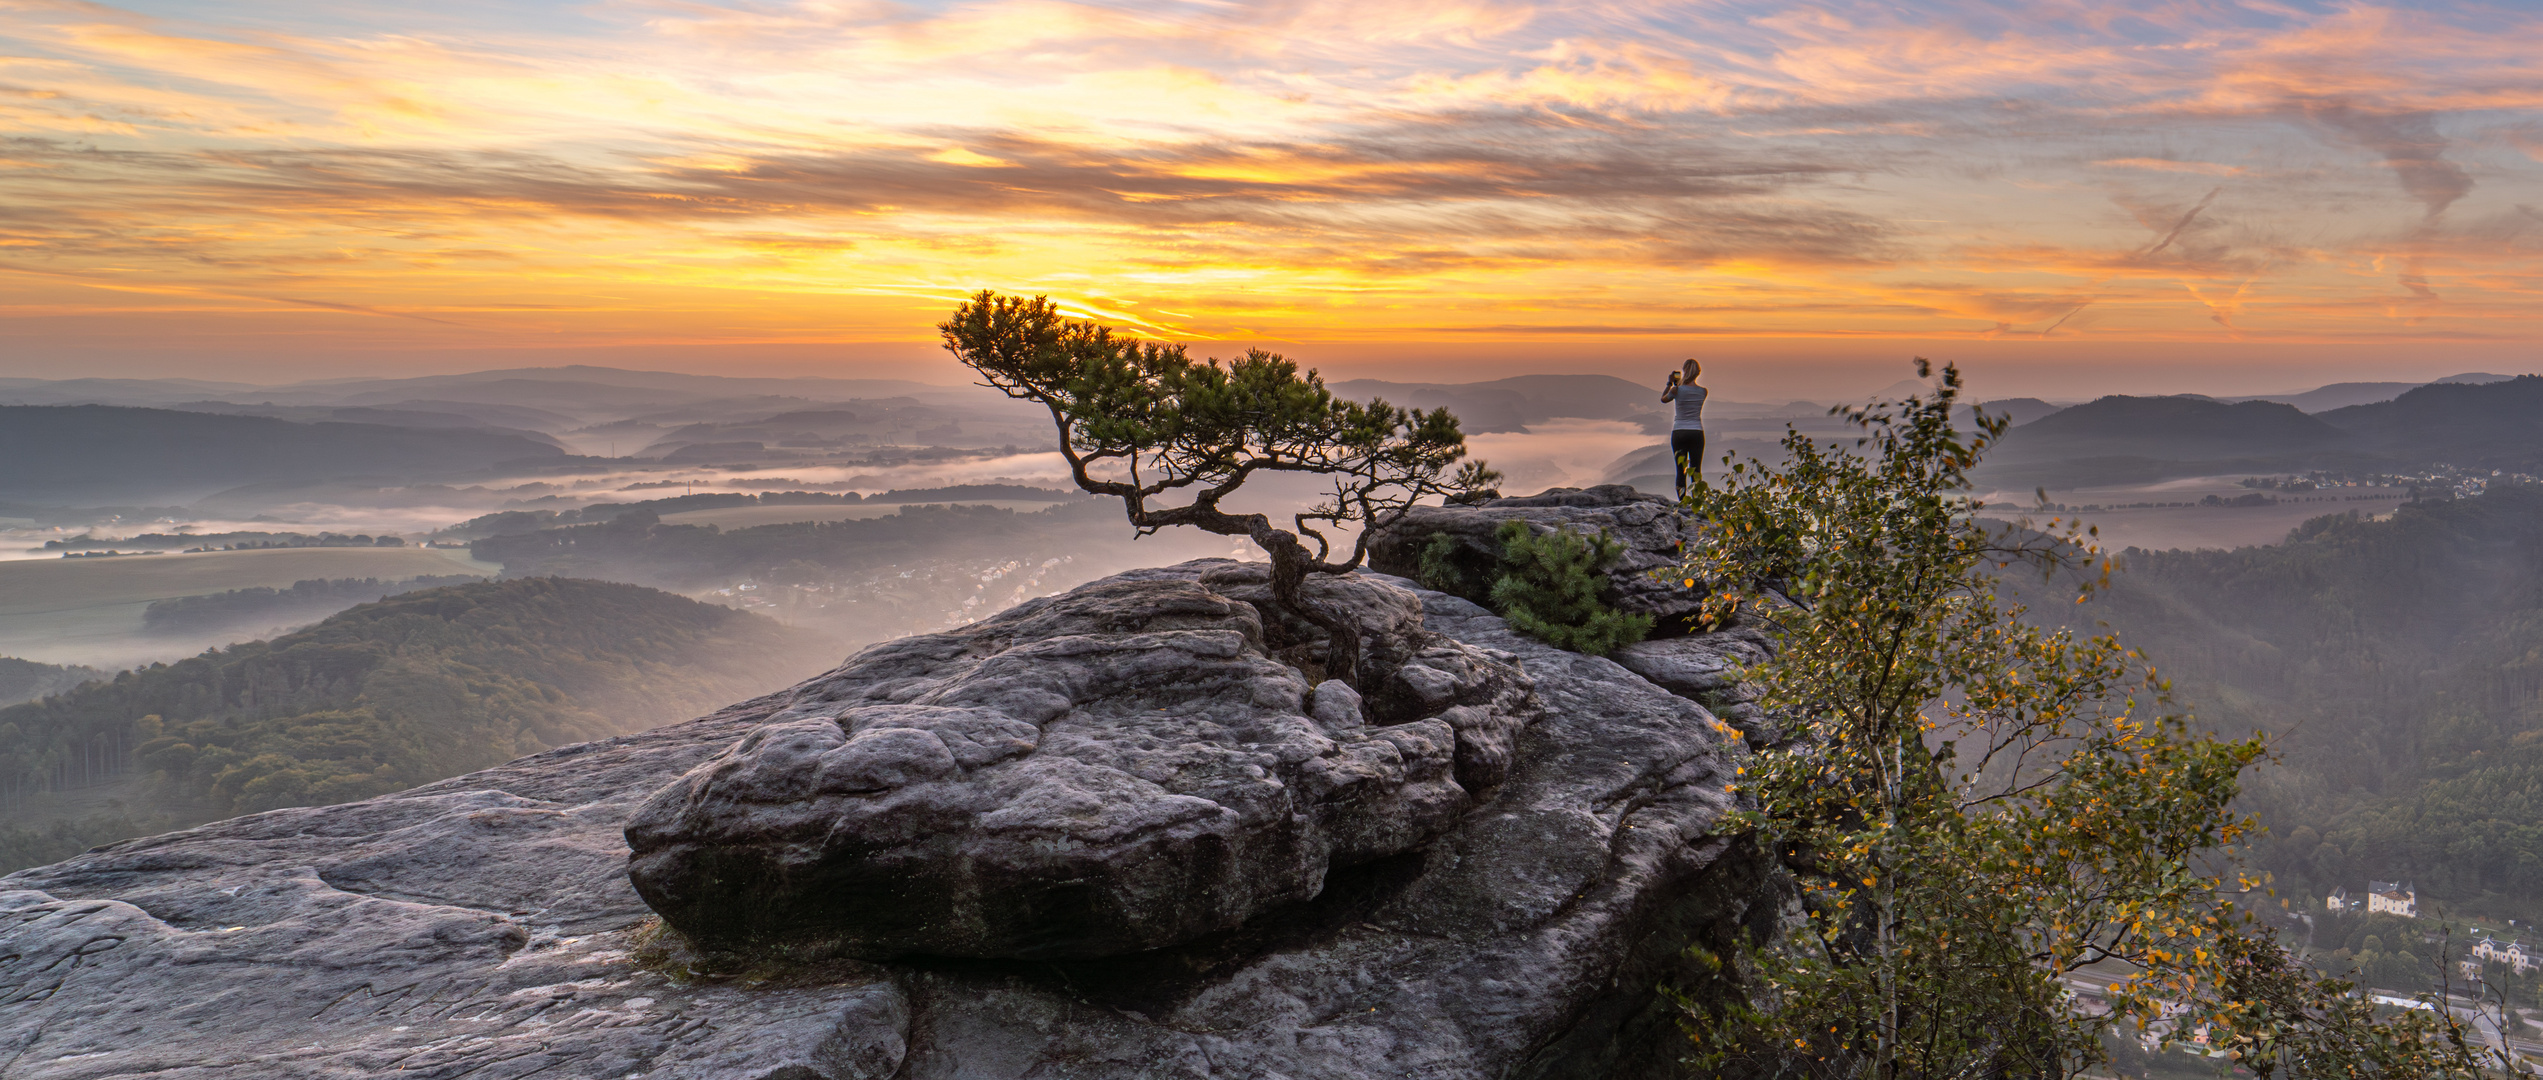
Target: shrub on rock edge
[{"x": 1553, "y": 588}]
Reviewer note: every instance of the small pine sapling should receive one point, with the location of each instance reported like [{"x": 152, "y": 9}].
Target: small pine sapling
[
  {"x": 1554, "y": 590},
  {"x": 1436, "y": 567}
]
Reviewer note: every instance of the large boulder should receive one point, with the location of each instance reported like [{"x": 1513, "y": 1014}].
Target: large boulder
[
  {"x": 1650, "y": 529},
  {"x": 486, "y": 926},
  {"x": 1710, "y": 669},
  {"x": 1117, "y": 769}
]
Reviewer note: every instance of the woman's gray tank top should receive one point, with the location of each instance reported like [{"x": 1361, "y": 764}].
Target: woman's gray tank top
[{"x": 1690, "y": 408}]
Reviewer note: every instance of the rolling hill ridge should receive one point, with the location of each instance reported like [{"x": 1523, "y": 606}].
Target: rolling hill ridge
[{"x": 105, "y": 453}]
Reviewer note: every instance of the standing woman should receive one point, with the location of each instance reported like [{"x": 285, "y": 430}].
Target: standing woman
[{"x": 1686, "y": 434}]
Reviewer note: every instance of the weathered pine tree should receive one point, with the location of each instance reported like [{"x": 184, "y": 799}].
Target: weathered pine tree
[{"x": 1173, "y": 438}]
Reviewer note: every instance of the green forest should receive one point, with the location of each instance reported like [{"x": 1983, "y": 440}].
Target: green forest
[
  {"x": 637, "y": 546},
  {"x": 303, "y": 600},
  {"x": 26, "y": 680},
  {"x": 385, "y": 696},
  {"x": 2398, "y": 667}
]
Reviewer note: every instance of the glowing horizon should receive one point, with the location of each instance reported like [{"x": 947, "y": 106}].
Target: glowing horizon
[{"x": 255, "y": 180}]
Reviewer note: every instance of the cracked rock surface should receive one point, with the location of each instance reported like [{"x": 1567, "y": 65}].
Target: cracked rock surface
[
  {"x": 1114, "y": 770},
  {"x": 1705, "y": 669},
  {"x": 1496, "y": 899}
]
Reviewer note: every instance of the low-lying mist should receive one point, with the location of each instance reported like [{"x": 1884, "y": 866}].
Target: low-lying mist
[{"x": 89, "y": 610}]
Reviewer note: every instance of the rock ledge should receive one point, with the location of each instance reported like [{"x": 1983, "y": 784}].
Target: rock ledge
[{"x": 1497, "y": 899}]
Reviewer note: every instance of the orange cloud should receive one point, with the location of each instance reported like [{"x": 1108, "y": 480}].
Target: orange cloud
[{"x": 652, "y": 171}]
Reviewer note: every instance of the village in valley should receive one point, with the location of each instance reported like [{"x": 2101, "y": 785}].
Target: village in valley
[{"x": 2483, "y": 964}]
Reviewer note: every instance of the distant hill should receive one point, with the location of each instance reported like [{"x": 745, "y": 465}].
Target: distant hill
[
  {"x": 588, "y": 391},
  {"x": 101, "y": 453},
  {"x": 2337, "y": 395},
  {"x": 258, "y": 608},
  {"x": 559, "y": 395},
  {"x": 543, "y": 399},
  {"x": 401, "y": 692},
  {"x": 2136, "y": 439},
  {"x": 1514, "y": 403},
  {"x": 2468, "y": 425},
  {"x": 2020, "y": 410},
  {"x": 674, "y": 385},
  {"x": 725, "y": 429},
  {"x": 533, "y": 423},
  {"x": 2172, "y": 428},
  {"x": 111, "y": 391},
  {"x": 633, "y": 544},
  {"x": 1478, "y": 409},
  {"x": 2342, "y": 395},
  {"x": 2465, "y": 422}
]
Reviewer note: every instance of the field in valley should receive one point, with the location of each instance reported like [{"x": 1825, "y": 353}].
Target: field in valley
[
  {"x": 88, "y": 611},
  {"x": 2124, "y": 524},
  {"x": 744, "y": 517}
]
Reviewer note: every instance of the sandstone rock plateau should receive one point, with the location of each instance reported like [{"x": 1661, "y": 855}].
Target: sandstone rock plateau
[{"x": 1113, "y": 833}]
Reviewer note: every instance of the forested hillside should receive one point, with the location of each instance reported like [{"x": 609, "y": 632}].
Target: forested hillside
[
  {"x": 280, "y": 608},
  {"x": 99, "y": 453},
  {"x": 2471, "y": 425},
  {"x": 638, "y": 546},
  {"x": 2123, "y": 440},
  {"x": 2400, "y": 665},
  {"x": 2127, "y": 440},
  {"x": 396, "y": 693},
  {"x": 2182, "y": 428}
]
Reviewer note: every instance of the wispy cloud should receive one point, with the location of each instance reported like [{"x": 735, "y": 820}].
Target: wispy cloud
[{"x": 689, "y": 170}]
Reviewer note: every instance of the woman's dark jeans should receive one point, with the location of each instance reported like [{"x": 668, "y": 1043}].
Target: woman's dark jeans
[{"x": 1687, "y": 448}]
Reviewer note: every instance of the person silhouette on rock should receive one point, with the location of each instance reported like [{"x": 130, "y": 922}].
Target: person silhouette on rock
[{"x": 1686, "y": 431}]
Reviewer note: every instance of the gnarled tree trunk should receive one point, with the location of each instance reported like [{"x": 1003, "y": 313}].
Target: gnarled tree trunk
[{"x": 1290, "y": 566}]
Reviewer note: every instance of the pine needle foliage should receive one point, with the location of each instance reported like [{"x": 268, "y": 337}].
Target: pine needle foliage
[
  {"x": 1436, "y": 567},
  {"x": 1981, "y": 808},
  {"x": 1553, "y": 588},
  {"x": 1173, "y": 438}
]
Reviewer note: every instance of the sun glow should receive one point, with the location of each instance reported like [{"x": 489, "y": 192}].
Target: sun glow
[{"x": 816, "y": 172}]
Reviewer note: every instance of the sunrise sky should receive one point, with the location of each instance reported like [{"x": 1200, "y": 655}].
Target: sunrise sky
[{"x": 2248, "y": 196}]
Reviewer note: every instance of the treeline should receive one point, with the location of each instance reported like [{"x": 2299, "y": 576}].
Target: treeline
[
  {"x": 400, "y": 692},
  {"x": 2399, "y": 664},
  {"x": 314, "y": 598},
  {"x": 23, "y": 846},
  {"x": 26, "y": 680},
  {"x": 227, "y": 541},
  {"x": 638, "y": 546},
  {"x": 531, "y": 519}
]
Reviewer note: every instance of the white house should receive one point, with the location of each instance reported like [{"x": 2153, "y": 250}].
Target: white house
[
  {"x": 2339, "y": 900},
  {"x": 2516, "y": 954},
  {"x": 2392, "y": 898}
]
